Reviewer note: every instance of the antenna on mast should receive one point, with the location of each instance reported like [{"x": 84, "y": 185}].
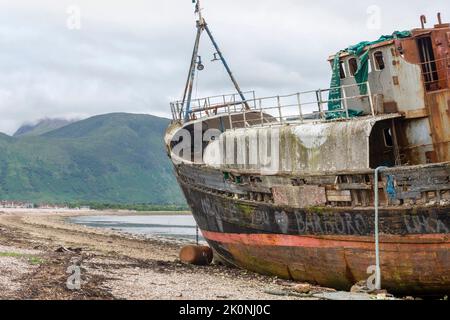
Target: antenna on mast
[
  {"x": 198, "y": 10},
  {"x": 187, "y": 95}
]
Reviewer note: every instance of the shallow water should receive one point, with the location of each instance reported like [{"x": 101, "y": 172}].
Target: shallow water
[{"x": 171, "y": 226}]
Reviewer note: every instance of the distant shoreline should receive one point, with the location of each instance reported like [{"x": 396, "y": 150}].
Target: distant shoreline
[
  {"x": 87, "y": 212},
  {"x": 144, "y": 207}
]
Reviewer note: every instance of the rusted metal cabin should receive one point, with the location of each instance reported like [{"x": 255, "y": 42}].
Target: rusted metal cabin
[{"x": 411, "y": 77}]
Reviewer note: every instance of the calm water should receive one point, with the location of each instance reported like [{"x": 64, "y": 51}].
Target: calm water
[{"x": 178, "y": 227}]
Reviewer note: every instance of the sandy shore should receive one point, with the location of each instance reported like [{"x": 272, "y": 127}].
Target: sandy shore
[{"x": 40, "y": 252}]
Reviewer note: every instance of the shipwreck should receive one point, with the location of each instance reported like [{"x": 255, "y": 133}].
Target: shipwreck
[{"x": 332, "y": 185}]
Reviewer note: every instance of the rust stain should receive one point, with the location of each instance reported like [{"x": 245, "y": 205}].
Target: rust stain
[
  {"x": 396, "y": 80},
  {"x": 299, "y": 196},
  {"x": 430, "y": 241},
  {"x": 312, "y": 264},
  {"x": 438, "y": 108},
  {"x": 390, "y": 107},
  {"x": 436, "y": 97}
]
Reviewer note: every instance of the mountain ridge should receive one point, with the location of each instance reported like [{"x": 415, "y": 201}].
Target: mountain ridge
[{"x": 42, "y": 126}]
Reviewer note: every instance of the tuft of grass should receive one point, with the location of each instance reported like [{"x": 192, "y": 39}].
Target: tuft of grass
[
  {"x": 11, "y": 254},
  {"x": 34, "y": 260}
]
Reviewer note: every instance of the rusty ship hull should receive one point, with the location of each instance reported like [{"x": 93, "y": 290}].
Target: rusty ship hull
[
  {"x": 324, "y": 185},
  {"x": 331, "y": 247}
]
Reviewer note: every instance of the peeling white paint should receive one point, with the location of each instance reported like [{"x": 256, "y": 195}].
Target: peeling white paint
[
  {"x": 312, "y": 137},
  {"x": 300, "y": 148}
]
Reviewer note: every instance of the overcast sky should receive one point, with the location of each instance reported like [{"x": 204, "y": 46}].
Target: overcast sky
[{"x": 132, "y": 56}]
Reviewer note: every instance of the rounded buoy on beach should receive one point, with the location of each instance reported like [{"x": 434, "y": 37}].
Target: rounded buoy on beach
[{"x": 196, "y": 255}]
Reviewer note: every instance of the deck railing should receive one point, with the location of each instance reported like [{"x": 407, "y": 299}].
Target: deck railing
[
  {"x": 203, "y": 105},
  {"x": 296, "y": 107},
  {"x": 300, "y": 106}
]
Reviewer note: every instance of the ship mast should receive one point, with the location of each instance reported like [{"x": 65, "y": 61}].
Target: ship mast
[{"x": 187, "y": 95}]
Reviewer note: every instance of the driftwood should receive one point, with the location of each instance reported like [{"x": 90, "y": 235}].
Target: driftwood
[
  {"x": 71, "y": 250},
  {"x": 288, "y": 294}
]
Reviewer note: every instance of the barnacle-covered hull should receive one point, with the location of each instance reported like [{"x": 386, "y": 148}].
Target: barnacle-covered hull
[{"x": 329, "y": 246}]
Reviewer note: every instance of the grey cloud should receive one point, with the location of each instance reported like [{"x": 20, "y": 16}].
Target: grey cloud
[{"x": 133, "y": 56}]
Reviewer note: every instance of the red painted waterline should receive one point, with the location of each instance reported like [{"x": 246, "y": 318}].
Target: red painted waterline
[{"x": 415, "y": 242}]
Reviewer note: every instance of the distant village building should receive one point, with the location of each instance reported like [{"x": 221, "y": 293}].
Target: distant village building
[
  {"x": 52, "y": 206},
  {"x": 8, "y": 204}
]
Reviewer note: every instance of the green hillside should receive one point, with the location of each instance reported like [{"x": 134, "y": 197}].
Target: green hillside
[{"x": 114, "y": 158}]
